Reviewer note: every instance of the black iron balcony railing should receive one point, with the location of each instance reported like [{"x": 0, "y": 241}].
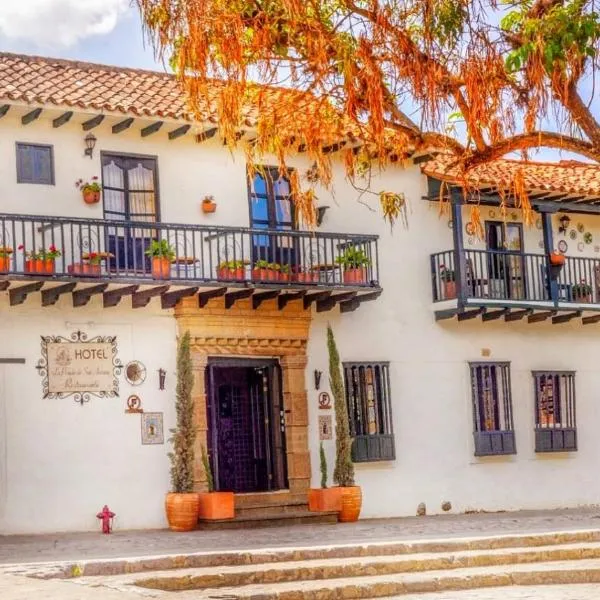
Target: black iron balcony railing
[
  {"x": 516, "y": 277},
  {"x": 130, "y": 250}
]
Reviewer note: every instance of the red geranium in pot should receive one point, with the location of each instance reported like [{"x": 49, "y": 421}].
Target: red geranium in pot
[{"x": 5, "y": 253}]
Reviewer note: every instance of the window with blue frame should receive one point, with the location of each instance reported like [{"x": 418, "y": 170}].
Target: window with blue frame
[{"x": 35, "y": 164}]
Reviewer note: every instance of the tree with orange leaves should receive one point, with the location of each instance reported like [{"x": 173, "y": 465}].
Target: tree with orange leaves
[{"x": 503, "y": 68}]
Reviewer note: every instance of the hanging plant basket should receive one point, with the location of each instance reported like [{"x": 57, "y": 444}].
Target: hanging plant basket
[
  {"x": 90, "y": 197},
  {"x": 209, "y": 206},
  {"x": 557, "y": 259}
]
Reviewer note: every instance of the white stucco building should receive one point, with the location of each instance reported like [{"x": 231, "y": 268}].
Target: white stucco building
[{"x": 482, "y": 393}]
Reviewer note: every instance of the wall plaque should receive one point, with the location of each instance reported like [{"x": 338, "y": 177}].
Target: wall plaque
[
  {"x": 79, "y": 367},
  {"x": 325, "y": 427}
]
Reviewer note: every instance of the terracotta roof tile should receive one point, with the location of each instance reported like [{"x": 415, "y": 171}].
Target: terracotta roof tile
[{"x": 568, "y": 177}]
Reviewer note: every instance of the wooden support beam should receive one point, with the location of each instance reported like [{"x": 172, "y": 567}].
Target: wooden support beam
[
  {"x": 260, "y": 297},
  {"x": 285, "y": 299},
  {"x": 51, "y": 295},
  {"x": 4, "y": 109},
  {"x": 333, "y": 148},
  {"x": 424, "y": 158},
  {"x": 330, "y": 302},
  {"x": 4, "y": 285},
  {"x": 113, "y": 297},
  {"x": 150, "y": 129},
  {"x": 540, "y": 316},
  {"x": 443, "y": 315},
  {"x": 170, "y": 299},
  {"x": 352, "y": 304},
  {"x": 31, "y": 116},
  {"x": 566, "y": 317},
  {"x": 494, "y": 314},
  {"x": 232, "y": 297},
  {"x": 82, "y": 297},
  {"x": 122, "y": 125},
  {"x": 591, "y": 319},
  {"x": 93, "y": 122},
  {"x": 173, "y": 135},
  {"x": 310, "y": 298},
  {"x": 204, "y": 297},
  {"x": 517, "y": 315},
  {"x": 19, "y": 294},
  {"x": 206, "y": 135},
  {"x": 64, "y": 118},
  {"x": 141, "y": 299},
  {"x": 470, "y": 314}
]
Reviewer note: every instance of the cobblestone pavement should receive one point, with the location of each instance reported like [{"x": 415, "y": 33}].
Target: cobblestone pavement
[
  {"x": 123, "y": 544},
  {"x": 547, "y": 592}
]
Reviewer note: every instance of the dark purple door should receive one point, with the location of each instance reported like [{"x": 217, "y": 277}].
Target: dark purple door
[{"x": 246, "y": 433}]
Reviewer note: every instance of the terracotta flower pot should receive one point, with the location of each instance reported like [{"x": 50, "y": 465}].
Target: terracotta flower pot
[
  {"x": 585, "y": 299},
  {"x": 161, "y": 267},
  {"x": 208, "y": 206},
  {"x": 182, "y": 511},
  {"x": 557, "y": 259},
  {"x": 91, "y": 270},
  {"x": 283, "y": 276},
  {"x": 325, "y": 500},
  {"x": 265, "y": 275},
  {"x": 449, "y": 290},
  {"x": 75, "y": 269},
  {"x": 47, "y": 266},
  {"x": 307, "y": 277},
  {"x": 91, "y": 197},
  {"x": 41, "y": 266},
  {"x": 215, "y": 506},
  {"x": 351, "y": 504},
  {"x": 355, "y": 276},
  {"x": 4, "y": 264},
  {"x": 231, "y": 274}
]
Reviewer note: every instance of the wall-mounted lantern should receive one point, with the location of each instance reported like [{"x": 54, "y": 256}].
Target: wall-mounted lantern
[
  {"x": 318, "y": 379},
  {"x": 565, "y": 221},
  {"x": 162, "y": 375},
  {"x": 90, "y": 144}
]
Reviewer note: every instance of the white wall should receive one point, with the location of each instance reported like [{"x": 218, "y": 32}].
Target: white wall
[{"x": 60, "y": 462}]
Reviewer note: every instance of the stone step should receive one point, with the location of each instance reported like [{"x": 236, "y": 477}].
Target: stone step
[
  {"x": 268, "y": 517},
  {"x": 262, "y": 499},
  {"x": 264, "y": 556},
  {"x": 338, "y": 568},
  {"x": 381, "y": 586},
  {"x": 272, "y": 511}
]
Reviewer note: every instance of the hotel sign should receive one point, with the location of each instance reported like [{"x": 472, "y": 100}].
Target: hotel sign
[{"x": 79, "y": 367}]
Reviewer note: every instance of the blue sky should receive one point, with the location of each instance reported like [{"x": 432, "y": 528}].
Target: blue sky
[{"x": 103, "y": 31}]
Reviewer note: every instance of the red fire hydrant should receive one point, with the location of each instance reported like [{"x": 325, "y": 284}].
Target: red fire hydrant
[{"x": 106, "y": 516}]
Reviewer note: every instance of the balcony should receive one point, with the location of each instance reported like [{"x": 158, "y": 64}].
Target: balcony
[
  {"x": 514, "y": 285},
  {"x": 111, "y": 258}
]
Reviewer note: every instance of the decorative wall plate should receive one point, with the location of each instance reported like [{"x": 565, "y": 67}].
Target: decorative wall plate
[
  {"x": 563, "y": 246},
  {"x": 538, "y": 223},
  {"x": 587, "y": 237},
  {"x": 573, "y": 234},
  {"x": 470, "y": 228},
  {"x": 135, "y": 372},
  {"x": 134, "y": 404},
  {"x": 580, "y": 246},
  {"x": 580, "y": 227}
]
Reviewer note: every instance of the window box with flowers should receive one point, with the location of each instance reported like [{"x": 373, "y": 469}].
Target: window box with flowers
[
  {"x": 582, "y": 292},
  {"x": 232, "y": 270},
  {"x": 448, "y": 281},
  {"x": 90, "y": 190},
  {"x": 5, "y": 252},
  {"x": 41, "y": 262},
  {"x": 265, "y": 271}
]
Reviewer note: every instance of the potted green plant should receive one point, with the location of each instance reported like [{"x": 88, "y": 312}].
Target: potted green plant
[
  {"x": 182, "y": 502},
  {"x": 90, "y": 190},
  {"x": 582, "y": 292},
  {"x": 265, "y": 271},
  {"x": 343, "y": 474},
  {"x": 5, "y": 252},
  {"x": 306, "y": 275},
  {"x": 231, "y": 269},
  {"x": 354, "y": 262},
  {"x": 324, "y": 499},
  {"x": 448, "y": 279},
  {"x": 284, "y": 272},
  {"x": 214, "y": 506},
  {"x": 162, "y": 255}
]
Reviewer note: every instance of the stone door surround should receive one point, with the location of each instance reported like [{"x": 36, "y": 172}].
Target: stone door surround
[{"x": 266, "y": 332}]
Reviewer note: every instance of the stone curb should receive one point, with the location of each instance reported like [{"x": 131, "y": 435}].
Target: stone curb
[{"x": 108, "y": 567}]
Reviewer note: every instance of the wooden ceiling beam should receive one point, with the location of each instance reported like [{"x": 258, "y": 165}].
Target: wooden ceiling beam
[
  {"x": 19, "y": 294},
  {"x": 62, "y": 120},
  {"x": 51, "y": 295},
  {"x": 259, "y": 297},
  {"x": 150, "y": 129},
  {"x": 540, "y": 316},
  {"x": 93, "y": 122},
  {"x": 565, "y": 318},
  {"x": 31, "y": 116},
  {"x": 176, "y": 133},
  {"x": 232, "y": 297},
  {"x": 170, "y": 299},
  {"x": 4, "y": 109},
  {"x": 354, "y": 303},
  {"x": 470, "y": 314},
  {"x": 284, "y": 299},
  {"x": 492, "y": 315},
  {"x": 517, "y": 315},
  {"x": 83, "y": 296},
  {"x": 204, "y": 297},
  {"x": 206, "y": 135},
  {"x": 310, "y": 298},
  {"x": 591, "y": 319},
  {"x": 122, "y": 125},
  {"x": 113, "y": 297},
  {"x": 141, "y": 299}
]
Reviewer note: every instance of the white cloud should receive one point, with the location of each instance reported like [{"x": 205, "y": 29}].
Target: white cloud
[{"x": 58, "y": 23}]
